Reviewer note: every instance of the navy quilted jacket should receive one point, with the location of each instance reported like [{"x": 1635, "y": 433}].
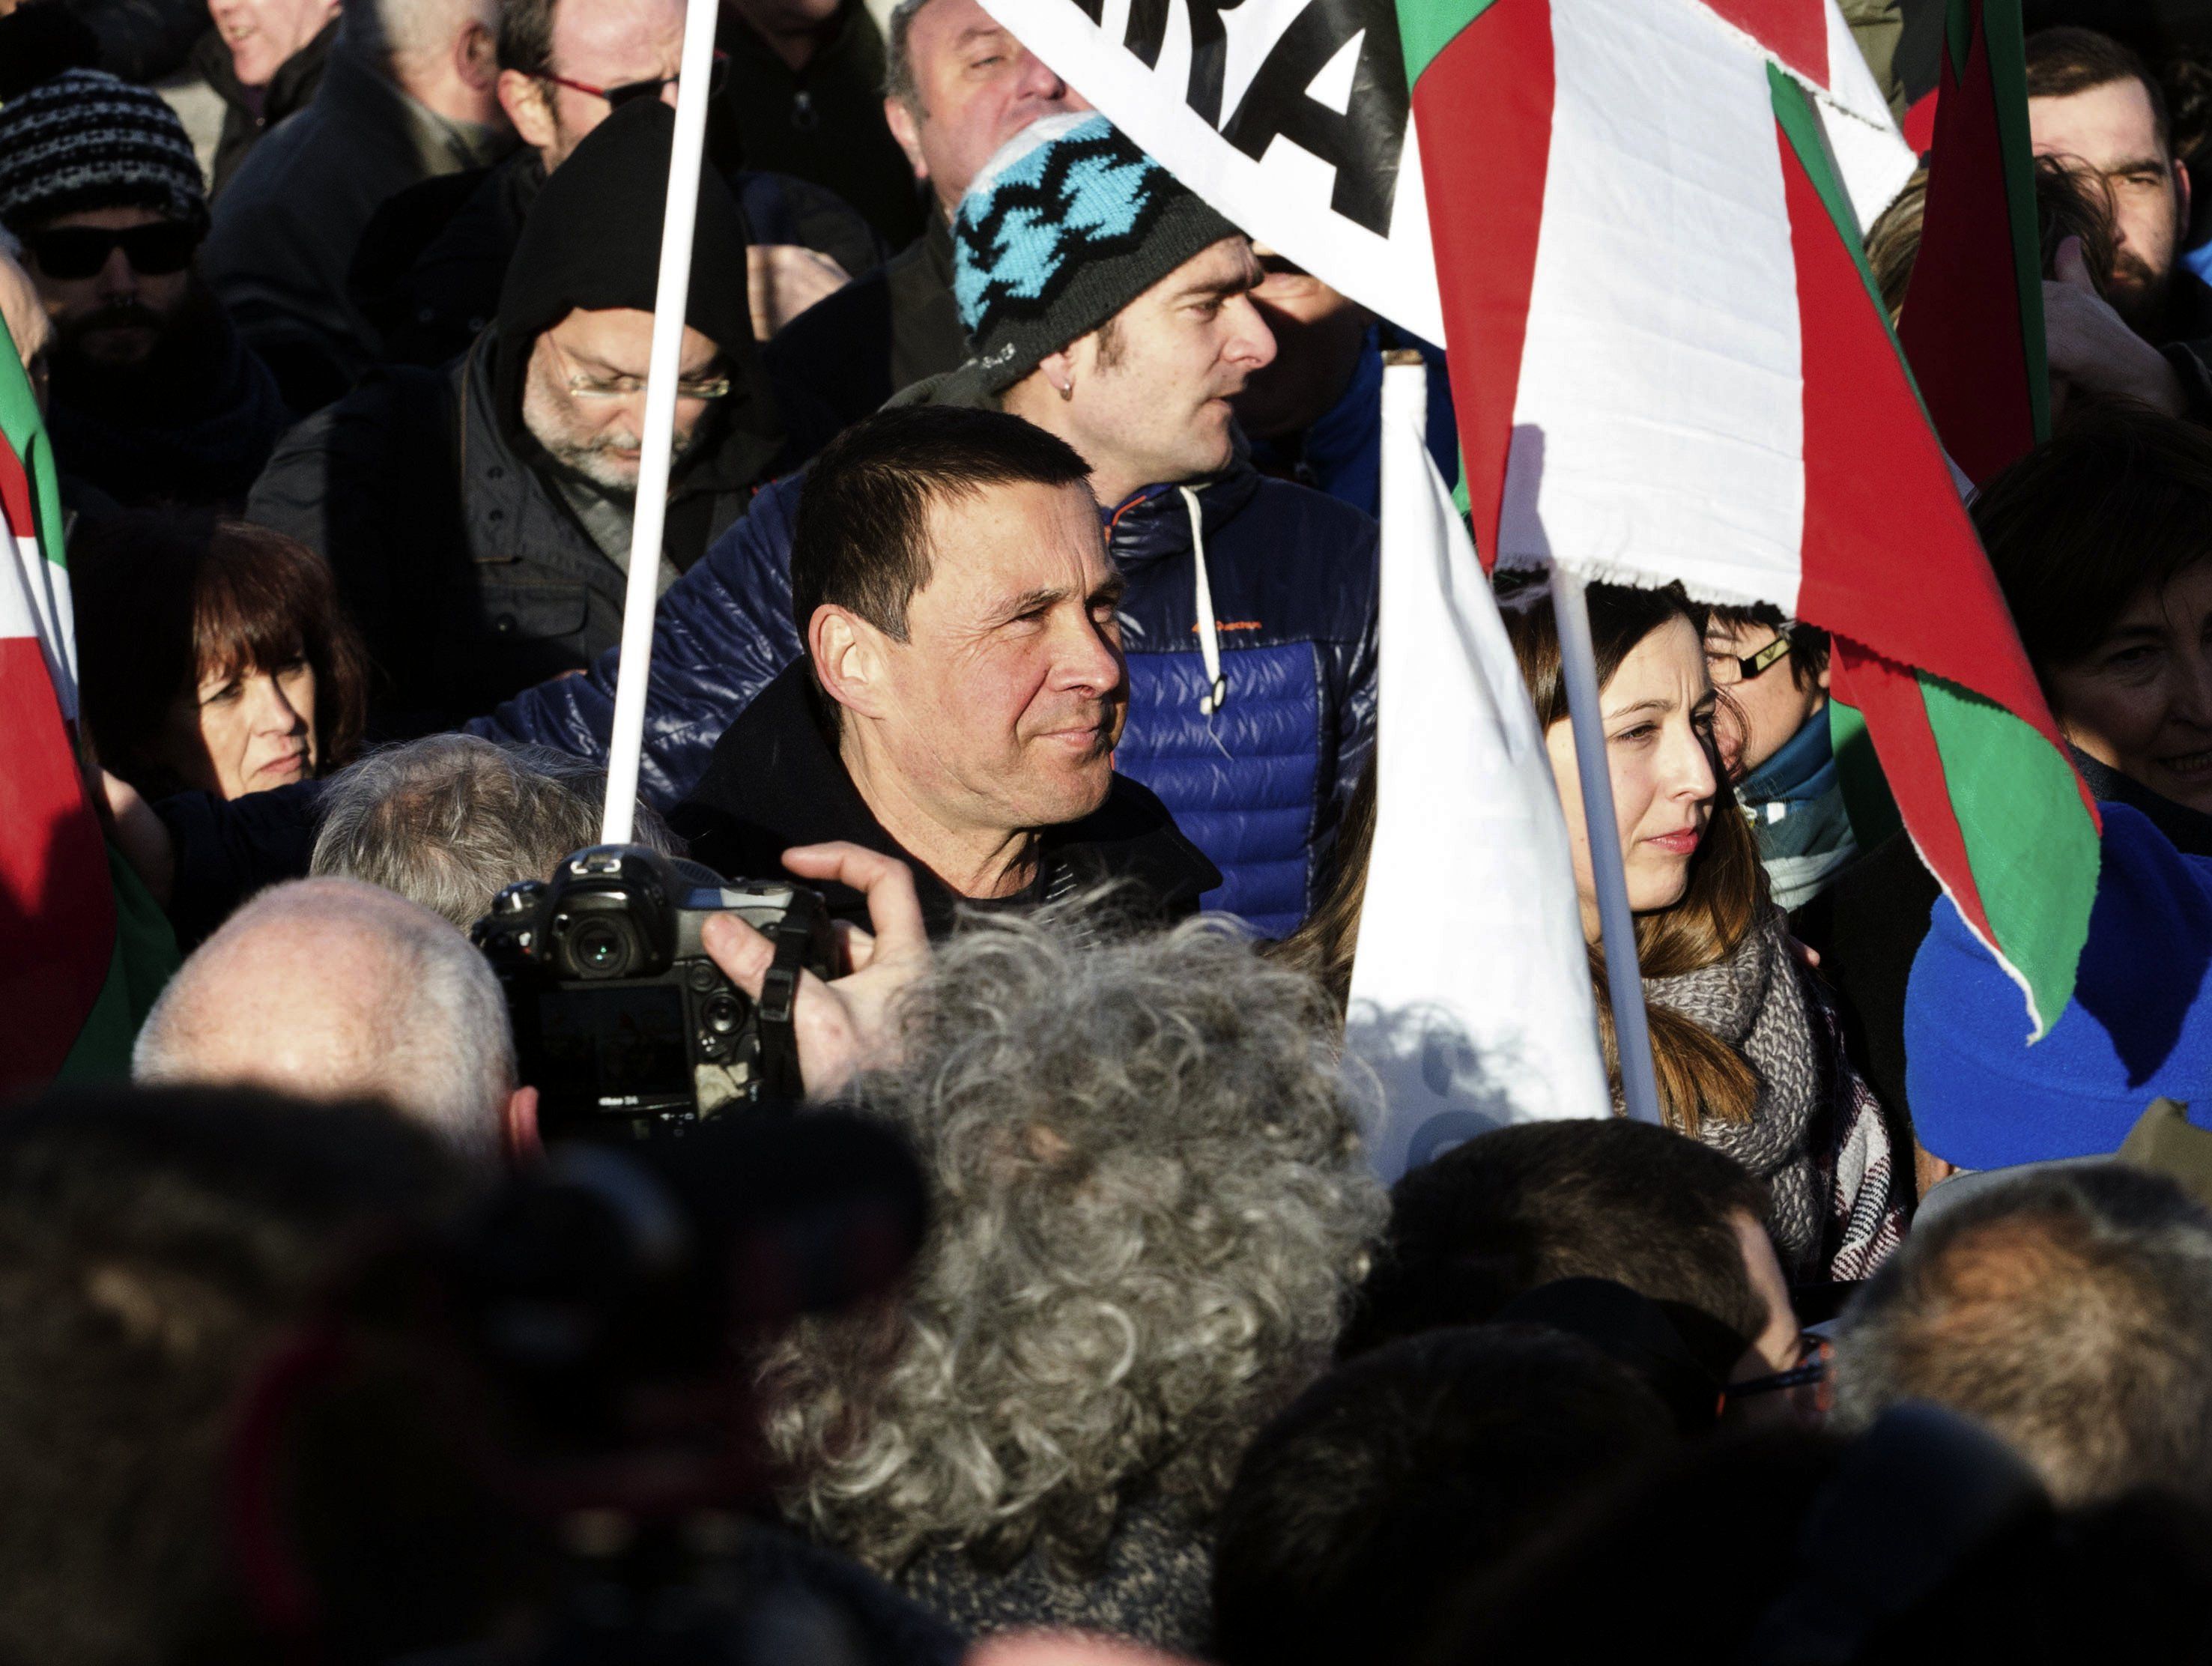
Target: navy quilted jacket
[{"x": 1259, "y": 785}]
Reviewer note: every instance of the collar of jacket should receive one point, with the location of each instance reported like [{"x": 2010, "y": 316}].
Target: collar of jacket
[
  {"x": 357, "y": 95},
  {"x": 2190, "y": 830},
  {"x": 1153, "y": 523},
  {"x": 777, "y": 781},
  {"x": 1802, "y": 769}
]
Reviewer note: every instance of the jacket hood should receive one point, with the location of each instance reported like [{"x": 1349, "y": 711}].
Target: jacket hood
[
  {"x": 776, "y": 781},
  {"x": 592, "y": 240}
]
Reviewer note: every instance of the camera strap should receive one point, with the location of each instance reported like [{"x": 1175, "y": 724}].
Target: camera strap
[{"x": 779, "y": 1075}]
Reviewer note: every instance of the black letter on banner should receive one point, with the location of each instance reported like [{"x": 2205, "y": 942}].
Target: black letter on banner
[
  {"x": 1209, "y": 52},
  {"x": 1093, "y": 9},
  {"x": 1364, "y": 145},
  {"x": 1146, "y": 31}
]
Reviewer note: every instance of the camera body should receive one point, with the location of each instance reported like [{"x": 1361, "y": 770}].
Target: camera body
[{"x": 622, "y": 1021}]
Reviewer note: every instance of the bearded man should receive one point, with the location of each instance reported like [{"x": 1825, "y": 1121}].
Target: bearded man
[
  {"x": 154, "y": 398},
  {"x": 479, "y": 518}
]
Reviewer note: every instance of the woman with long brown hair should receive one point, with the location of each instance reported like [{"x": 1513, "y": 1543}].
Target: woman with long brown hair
[{"x": 1748, "y": 1057}]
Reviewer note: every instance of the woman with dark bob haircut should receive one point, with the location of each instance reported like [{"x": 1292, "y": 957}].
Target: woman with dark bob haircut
[{"x": 212, "y": 656}]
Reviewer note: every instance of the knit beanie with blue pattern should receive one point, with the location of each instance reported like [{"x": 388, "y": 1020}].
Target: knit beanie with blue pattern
[
  {"x": 1066, "y": 225},
  {"x": 87, "y": 140}
]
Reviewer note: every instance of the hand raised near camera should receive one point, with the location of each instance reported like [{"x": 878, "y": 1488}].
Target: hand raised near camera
[{"x": 848, "y": 1024}]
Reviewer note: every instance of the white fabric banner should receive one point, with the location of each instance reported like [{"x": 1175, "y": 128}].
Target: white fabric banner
[
  {"x": 1471, "y": 996},
  {"x": 1291, "y": 117},
  {"x": 1659, "y": 428}
]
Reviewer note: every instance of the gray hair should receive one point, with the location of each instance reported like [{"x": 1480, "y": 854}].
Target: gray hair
[
  {"x": 1153, "y": 1207},
  {"x": 898, "y": 56},
  {"x": 451, "y": 821},
  {"x": 376, "y": 997},
  {"x": 2070, "y": 1311},
  {"x": 398, "y": 31}
]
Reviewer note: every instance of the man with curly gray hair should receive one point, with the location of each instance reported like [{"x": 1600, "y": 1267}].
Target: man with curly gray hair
[{"x": 1152, "y": 1208}]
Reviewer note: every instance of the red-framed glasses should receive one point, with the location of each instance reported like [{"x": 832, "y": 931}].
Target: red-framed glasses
[{"x": 717, "y": 78}]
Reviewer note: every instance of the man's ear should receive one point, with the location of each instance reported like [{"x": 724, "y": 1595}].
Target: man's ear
[
  {"x": 527, "y": 107},
  {"x": 1825, "y": 664},
  {"x": 1058, "y": 368},
  {"x": 2181, "y": 193},
  {"x": 475, "y": 56},
  {"x": 519, "y": 1130},
  {"x": 906, "y": 128},
  {"x": 848, "y": 657}
]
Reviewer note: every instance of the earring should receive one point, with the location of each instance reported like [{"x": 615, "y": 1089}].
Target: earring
[{"x": 1067, "y": 390}]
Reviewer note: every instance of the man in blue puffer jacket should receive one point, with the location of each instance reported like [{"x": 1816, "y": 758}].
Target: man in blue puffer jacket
[{"x": 1108, "y": 306}]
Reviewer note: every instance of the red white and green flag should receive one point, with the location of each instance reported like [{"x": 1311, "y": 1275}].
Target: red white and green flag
[
  {"x": 1972, "y": 323},
  {"x": 1670, "y": 363},
  {"x": 82, "y": 947}
]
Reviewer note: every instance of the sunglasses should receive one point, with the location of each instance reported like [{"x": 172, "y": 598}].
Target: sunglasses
[
  {"x": 630, "y": 91},
  {"x": 157, "y": 251}
]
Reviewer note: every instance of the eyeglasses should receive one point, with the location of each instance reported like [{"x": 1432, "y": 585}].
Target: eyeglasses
[
  {"x": 1806, "y": 1384},
  {"x": 628, "y": 388},
  {"x": 157, "y": 251},
  {"x": 630, "y": 91},
  {"x": 1750, "y": 667}
]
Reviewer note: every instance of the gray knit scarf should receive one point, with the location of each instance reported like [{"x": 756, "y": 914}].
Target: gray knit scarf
[{"x": 1754, "y": 1001}]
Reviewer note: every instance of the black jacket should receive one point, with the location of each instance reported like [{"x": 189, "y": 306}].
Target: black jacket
[
  {"x": 849, "y": 352},
  {"x": 776, "y": 781},
  {"x": 289, "y": 221},
  {"x": 244, "y": 119},
  {"x": 430, "y": 270},
  {"x": 824, "y": 123}
]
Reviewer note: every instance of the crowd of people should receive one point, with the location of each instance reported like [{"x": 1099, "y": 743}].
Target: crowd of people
[{"x": 1019, "y": 596}]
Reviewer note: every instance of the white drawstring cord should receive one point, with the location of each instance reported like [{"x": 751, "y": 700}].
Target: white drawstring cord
[{"x": 1209, "y": 638}]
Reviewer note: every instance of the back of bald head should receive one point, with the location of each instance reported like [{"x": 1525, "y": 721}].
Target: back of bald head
[{"x": 333, "y": 989}]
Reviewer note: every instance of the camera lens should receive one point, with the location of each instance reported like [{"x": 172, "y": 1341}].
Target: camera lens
[{"x": 599, "y": 948}]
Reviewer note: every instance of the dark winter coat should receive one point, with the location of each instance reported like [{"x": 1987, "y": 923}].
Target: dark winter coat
[
  {"x": 849, "y": 352},
  {"x": 429, "y": 272},
  {"x": 244, "y": 118},
  {"x": 1260, "y": 787},
  {"x": 191, "y": 428},
  {"x": 286, "y": 229},
  {"x": 825, "y": 122},
  {"x": 463, "y": 564},
  {"x": 775, "y": 781}
]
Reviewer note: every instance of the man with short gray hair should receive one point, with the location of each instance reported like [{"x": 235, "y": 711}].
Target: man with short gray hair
[
  {"x": 332, "y": 989},
  {"x": 451, "y": 821},
  {"x": 2070, "y": 1311}
]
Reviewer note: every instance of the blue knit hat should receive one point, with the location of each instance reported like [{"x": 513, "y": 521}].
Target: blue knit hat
[
  {"x": 1066, "y": 225},
  {"x": 2139, "y": 1026}
]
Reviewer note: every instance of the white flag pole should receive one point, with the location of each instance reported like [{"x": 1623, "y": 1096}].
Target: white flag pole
[
  {"x": 1623, "y": 979},
  {"x": 649, "y": 519}
]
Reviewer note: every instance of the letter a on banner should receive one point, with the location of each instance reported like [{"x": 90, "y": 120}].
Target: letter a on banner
[{"x": 1291, "y": 117}]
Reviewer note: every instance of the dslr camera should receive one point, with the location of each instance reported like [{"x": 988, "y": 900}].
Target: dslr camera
[{"x": 622, "y": 1022}]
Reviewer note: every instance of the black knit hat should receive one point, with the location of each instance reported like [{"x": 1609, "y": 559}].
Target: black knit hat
[
  {"x": 87, "y": 140},
  {"x": 1064, "y": 226},
  {"x": 592, "y": 241}
]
